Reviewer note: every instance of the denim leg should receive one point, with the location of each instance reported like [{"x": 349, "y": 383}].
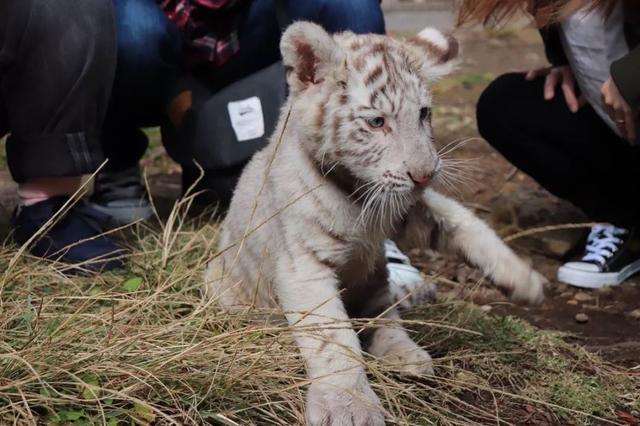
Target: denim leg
[
  {"x": 359, "y": 16},
  {"x": 259, "y": 33},
  {"x": 149, "y": 54}
]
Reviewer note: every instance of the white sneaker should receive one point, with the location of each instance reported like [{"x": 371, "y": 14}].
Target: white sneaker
[
  {"x": 611, "y": 256},
  {"x": 407, "y": 287}
]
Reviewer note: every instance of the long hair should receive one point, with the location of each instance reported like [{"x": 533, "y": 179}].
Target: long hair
[{"x": 544, "y": 12}]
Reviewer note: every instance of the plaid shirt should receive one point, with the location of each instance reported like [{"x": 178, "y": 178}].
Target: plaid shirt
[{"x": 209, "y": 28}]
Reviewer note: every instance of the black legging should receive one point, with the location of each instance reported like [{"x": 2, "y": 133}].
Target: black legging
[{"x": 574, "y": 156}]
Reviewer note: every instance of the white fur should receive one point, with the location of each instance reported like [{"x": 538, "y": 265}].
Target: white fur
[
  {"x": 433, "y": 67},
  {"x": 480, "y": 245},
  {"x": 434, "y": 36}
]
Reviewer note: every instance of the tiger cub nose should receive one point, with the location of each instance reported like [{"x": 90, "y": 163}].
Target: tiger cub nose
[{"x": 421, "y": 179}]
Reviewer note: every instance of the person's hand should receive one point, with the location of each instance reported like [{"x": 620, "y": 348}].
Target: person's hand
[
  {"x": 619, "y": 110},
  {"x": 562, "y": 76}
]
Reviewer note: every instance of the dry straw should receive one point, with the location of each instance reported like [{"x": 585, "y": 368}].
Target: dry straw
[{"x": 143, "y": 347}]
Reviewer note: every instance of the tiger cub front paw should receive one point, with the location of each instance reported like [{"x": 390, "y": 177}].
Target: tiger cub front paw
[
  {"x": 527, "y": 287},
  {"x": 331, "y": 405}
]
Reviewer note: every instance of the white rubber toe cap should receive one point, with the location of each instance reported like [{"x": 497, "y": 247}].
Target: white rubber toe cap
[{"x": 582, "y": 266}]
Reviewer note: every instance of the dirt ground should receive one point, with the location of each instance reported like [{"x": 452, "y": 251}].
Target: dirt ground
[{"x": 513, "y": 202}]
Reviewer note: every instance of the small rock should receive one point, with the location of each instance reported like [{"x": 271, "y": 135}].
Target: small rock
[
  {"x": 635, "y": 314},
  {"x": 572, "y": 302},
  {"x": 582, "y": 318},
  {"x": 562, "y": 288},
  {"x": 581, "y": 296},
  {"x": 486, "y": 308},
  {"x": 614, "y": 308},
  {"x": 566, "y": 294},
  {"x": 557, "y": 247},
  {"x": 462, "y": 275}
]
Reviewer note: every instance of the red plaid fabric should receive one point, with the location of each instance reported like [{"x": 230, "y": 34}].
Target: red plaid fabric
[{"x": 209, "y": 27}]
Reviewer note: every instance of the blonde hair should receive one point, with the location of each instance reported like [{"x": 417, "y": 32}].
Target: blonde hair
[{"x": 544, "y": 12}]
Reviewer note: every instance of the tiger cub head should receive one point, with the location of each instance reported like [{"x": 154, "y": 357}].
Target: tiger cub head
[{"x": 362, "y": 103}]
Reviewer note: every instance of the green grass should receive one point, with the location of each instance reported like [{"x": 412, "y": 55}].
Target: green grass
[
  {"x": 155, "y": 139},
  {"x": 141, "y": 347}
]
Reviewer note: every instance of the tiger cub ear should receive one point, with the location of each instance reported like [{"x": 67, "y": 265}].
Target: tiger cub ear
[
  {"x": 310, "y": 55},
  {"x": 435, "y": 53}
]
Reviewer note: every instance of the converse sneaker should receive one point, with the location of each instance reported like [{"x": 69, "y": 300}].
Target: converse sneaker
[
  {"x": 407, "y": 287},
  {"x": 121, "y": 196},
  {"x": 611, "y": 256}
]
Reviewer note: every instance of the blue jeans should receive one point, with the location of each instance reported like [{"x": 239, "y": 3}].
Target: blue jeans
[{"x": 149, "y": 56}]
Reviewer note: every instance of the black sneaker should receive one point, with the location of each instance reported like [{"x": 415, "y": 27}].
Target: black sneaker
[
  {"x": 121, "y": 196},
  {"x": 76, "y": 238},
  {"x": 611, "y": 256}
]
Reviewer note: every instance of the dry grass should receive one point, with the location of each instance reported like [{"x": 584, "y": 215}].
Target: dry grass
[{"x": 141, "y": 347}]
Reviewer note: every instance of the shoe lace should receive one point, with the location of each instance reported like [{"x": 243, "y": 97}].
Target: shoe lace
[{"x": 603, "y": 241}]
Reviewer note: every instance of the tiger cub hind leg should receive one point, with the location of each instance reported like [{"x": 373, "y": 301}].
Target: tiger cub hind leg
[
  {"x": 387, "y": 340},
  {"x": 393, "y": 345}
]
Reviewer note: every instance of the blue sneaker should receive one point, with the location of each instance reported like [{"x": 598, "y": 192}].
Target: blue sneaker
[{"x": 76, "y": 237}]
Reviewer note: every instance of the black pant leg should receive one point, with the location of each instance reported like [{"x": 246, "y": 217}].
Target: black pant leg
[
  {"x": 575, "y": 156},
  {"x": 4, "y": 126},
  {"x": 149, "y": 63},
  {"x": 57, "y": 62}
]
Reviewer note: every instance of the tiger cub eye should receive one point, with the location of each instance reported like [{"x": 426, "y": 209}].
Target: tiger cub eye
[{"x": 376, "y": 122}]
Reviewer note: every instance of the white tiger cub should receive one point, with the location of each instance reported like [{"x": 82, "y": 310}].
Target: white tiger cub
[{"x": 350, "y": 164}]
